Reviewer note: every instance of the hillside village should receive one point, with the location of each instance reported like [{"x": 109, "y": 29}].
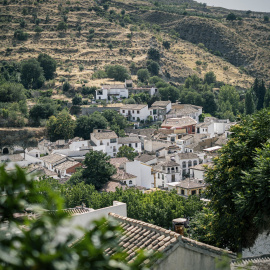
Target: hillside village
[
  {"x": 173, "y": 156},
  {"x": 128, "y": 125}
]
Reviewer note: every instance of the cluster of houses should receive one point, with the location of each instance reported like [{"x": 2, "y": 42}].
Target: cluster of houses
[{"x": 174, "y": 156}]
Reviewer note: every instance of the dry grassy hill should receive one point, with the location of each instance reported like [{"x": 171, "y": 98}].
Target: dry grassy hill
[{"x": 72, "y": 47}]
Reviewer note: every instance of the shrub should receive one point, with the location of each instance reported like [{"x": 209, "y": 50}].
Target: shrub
[
  {"x": 81, "y": 67},
  {"x": 231, "y": 17},
  {"x": 153, "y": 54},
  {"x": 66, "y": 86},
  {"x": 20, "y": 35}
]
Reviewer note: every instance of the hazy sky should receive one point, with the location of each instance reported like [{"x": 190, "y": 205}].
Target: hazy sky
[{"x": 254, "y": 5}]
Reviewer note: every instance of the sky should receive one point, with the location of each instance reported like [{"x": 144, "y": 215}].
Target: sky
[{"x": 254, "y": 5}]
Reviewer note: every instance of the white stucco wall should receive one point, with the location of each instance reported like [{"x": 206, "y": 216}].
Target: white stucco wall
[
  {"x": 143, "y": 173},
  {"x": 83, "y": 220},
  {"x": 77, "y": 145}
]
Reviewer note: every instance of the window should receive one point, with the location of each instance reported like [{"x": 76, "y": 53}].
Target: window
[
  {"x": 158, "y": 176},
  {"x": 138, "y": 112},
  {"x": 182, "y": 191},
  {"x": 184, "y": 164},
  {"x": 169, "y": 170},
  {"x": 112, "y": 140},
  {"x": 195, "y": 163},
  {"x": 162, "y": 177},
  {"x": 107, "y": 144},
  {"x": 114, "y": 149},
  {"x": 163, "y": 168},
  {"x": 101, "y": 143},
  {"x": 173, "y": 178},
  {"x": 136, "y": 145},
  {"x": 130, "y": 145},
  {"x": 189, "y": 163},
  {"x": 133, "y": 118},
  {"x": 176, "y": 169},
  {"x": 123, "y": 111},
  {"x": 193, "y": 192},
  {"x": 130, "y": 182}
]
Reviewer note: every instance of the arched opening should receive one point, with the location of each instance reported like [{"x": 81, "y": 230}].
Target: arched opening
[{"x": 5, "y": 151}]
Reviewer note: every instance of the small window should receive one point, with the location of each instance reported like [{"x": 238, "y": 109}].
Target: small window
[
  {"x": 193, "y": 192},
  {"x": 133, "y": 118},
  {"x": 162, "y": 177},
  {"x": 169, "y": 170},
  {"x": 138, "y": 112},
  {"x": 182, "y": 191},
  {"x": 184, "y": 164},
  {"x": 195, "y": 163},
  {"x": 112, "y": 140},
  {"x": 123, "y": 111},
  {"x": 189, "y": 163},
  {"x": 158, "y": 176},
  {"x": 133, "y": 111},
  {"x": 130, "y": 182},
  {"x": 130, "y": 145},
  {"x": 176, "y": 169},
  {"x": 136, "y": 145},
  {"x": 107, "y": 144}
]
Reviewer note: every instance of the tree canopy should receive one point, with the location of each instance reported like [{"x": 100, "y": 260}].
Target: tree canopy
[
  {"x": 32, "y": 74},
  {"x": 127, "y": 151},
  {"x": 48, "y": 64},
  {"x": 117, "y": 72},
  {"x": 96, "y": 171},
  {"x": 238, "y": 182}
]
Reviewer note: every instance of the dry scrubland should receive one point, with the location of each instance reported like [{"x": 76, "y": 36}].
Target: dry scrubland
[{"x": 71, "y": 48}]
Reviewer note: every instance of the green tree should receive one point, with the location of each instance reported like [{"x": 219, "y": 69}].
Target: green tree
[
  {"x": 62, "y": 26},
  {"x": 153, "y": 67},
  {"x": 41, "y": 111},
  {"x": 37, "y": 246},
  {"x": 166, "y": 44},
  {"x": 97, "y": 170},
  {"x": 143, "y": 75},
  {"x": 127, "y": 151},
  {"x": 12, "y": 92},
  {"x": 230, "y": 185},
  {"x": 48, "y": 64},
  {"x": 77, "y": 100},
  {"x": 153, "y": 54},
  {"x": 249, "y": 103},
  {"x": 209, "y": 103},
  {"x": 32, "y": 74},
  {"x": 210, "y": 77},
  {"x": 266, "y": 18},
  {"x": 267, "y": 98},
  {"x": 61, "y": 127},
  {"x": 231, "y": 17},
  {"x": 117, "y": 72},
  {"x": 20, "y": 35},
  {"x": 86, "y": 124},
  {"x": 169, "y": 93},
  {"x": 66, "y": 86}
]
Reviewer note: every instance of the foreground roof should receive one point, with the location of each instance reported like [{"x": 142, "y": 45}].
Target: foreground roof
[
  {"x": 142, "y": 235},
  {"x": 53, "y": 158}
]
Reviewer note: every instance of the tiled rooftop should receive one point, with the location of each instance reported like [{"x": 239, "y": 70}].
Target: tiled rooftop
[
  {"x": 126, "y": 140},
  {"x": 160, "y": 103},
  {"x": 67, "y": 164},
  {"x": 178, "y": 122},
  {"x": 187, "y": 156},
  {"x": 52, "y": 158},
  {"x": 145, "y": 157},
  {"x": 141, "y": 235},
  {"x": 104, "y": 134},
  {"x": 134, "y": 106}
]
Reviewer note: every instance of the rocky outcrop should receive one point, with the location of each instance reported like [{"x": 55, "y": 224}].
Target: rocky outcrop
[{"x": 23, "y": 137}]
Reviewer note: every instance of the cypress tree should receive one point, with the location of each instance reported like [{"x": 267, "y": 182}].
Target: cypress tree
[
  {"x": 261, "y": 95},
  {"x": 266, "y": 103},
  {"x": 249, "y": 103}
]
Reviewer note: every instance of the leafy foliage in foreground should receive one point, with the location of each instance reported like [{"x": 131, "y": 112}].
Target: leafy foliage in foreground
[
  {"x": 39, "y": 247},
  {"x": 239, "y": 183}
]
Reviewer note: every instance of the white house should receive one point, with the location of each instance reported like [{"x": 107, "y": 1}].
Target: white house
[
  {"x": 34, "y": 152},
  {"x": 132, "y": 141},
  {"x": 181, "y": 110},
  {"x": 52, "y": 160},
  {"x": 105, "y": 140},
  {"x": 186, "y": 160},
  {"x": 167, "y": 172},
  {"x": 159, "y": 109},
  {"x": 198, "y": 170},
  {"x": 108, "y": 91},
  {"x": 135, "y": 112},
  {"x": 143, "y": 173}
]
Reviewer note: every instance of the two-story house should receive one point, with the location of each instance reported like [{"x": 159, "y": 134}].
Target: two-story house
[
  {"x": 186, "y": 160},
  {"x": 167, "y": 172},
  {"x": 108, "y": 91},
  {"x": 159, "y": 109},
  {"x": 105, "y": 140},
  {"x": 135, "y": 112},
  {"x": 132, "y": 141}
]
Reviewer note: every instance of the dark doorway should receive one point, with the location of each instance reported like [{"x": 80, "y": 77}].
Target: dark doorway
[{"x": 5, "y": 151}]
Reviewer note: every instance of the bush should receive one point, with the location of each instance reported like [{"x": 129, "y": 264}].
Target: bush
[
  {"x": 231, "y": 17},
  {"x": 166, "y": 45},
  {"x": 62, "y": 26},
  {"x": 117, "y": 72},
  {"x": 38, "y": 29},
  {"x": 77, "y": 100},
  {"x": 153, "y": 54},
  {"x": 48, "y": 64},
  {"x": 81, "y": 67},
  {"x": 22, "y": 23},
  {"x": 20, "y": 35},
  {"x": 143, "y": 75},
  {"x": 66, "y": 86}
]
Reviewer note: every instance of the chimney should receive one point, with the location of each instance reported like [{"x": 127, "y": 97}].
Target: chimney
[{"x": 178, "y": 225}]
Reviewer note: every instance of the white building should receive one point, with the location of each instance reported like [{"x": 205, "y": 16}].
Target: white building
[
  {"x": 181, "y": 110},
  {"x": 108, "y": 91},
  {"x": 186, "y": 160},
  {"x": 135, "y": 112},
  {"x": 52, "y": 160},
  {"x": 167, "y": 172},
  {"x": 34, "y": 152},
  {"x": 143, "y": 173},
  {"x": 159, "y": 109},
  {"x": 105, "y": 141},
  {"x": 132, "y": 141}
]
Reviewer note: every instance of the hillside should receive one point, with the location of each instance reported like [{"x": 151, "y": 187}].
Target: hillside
[{"x": 236, "y": 58}]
